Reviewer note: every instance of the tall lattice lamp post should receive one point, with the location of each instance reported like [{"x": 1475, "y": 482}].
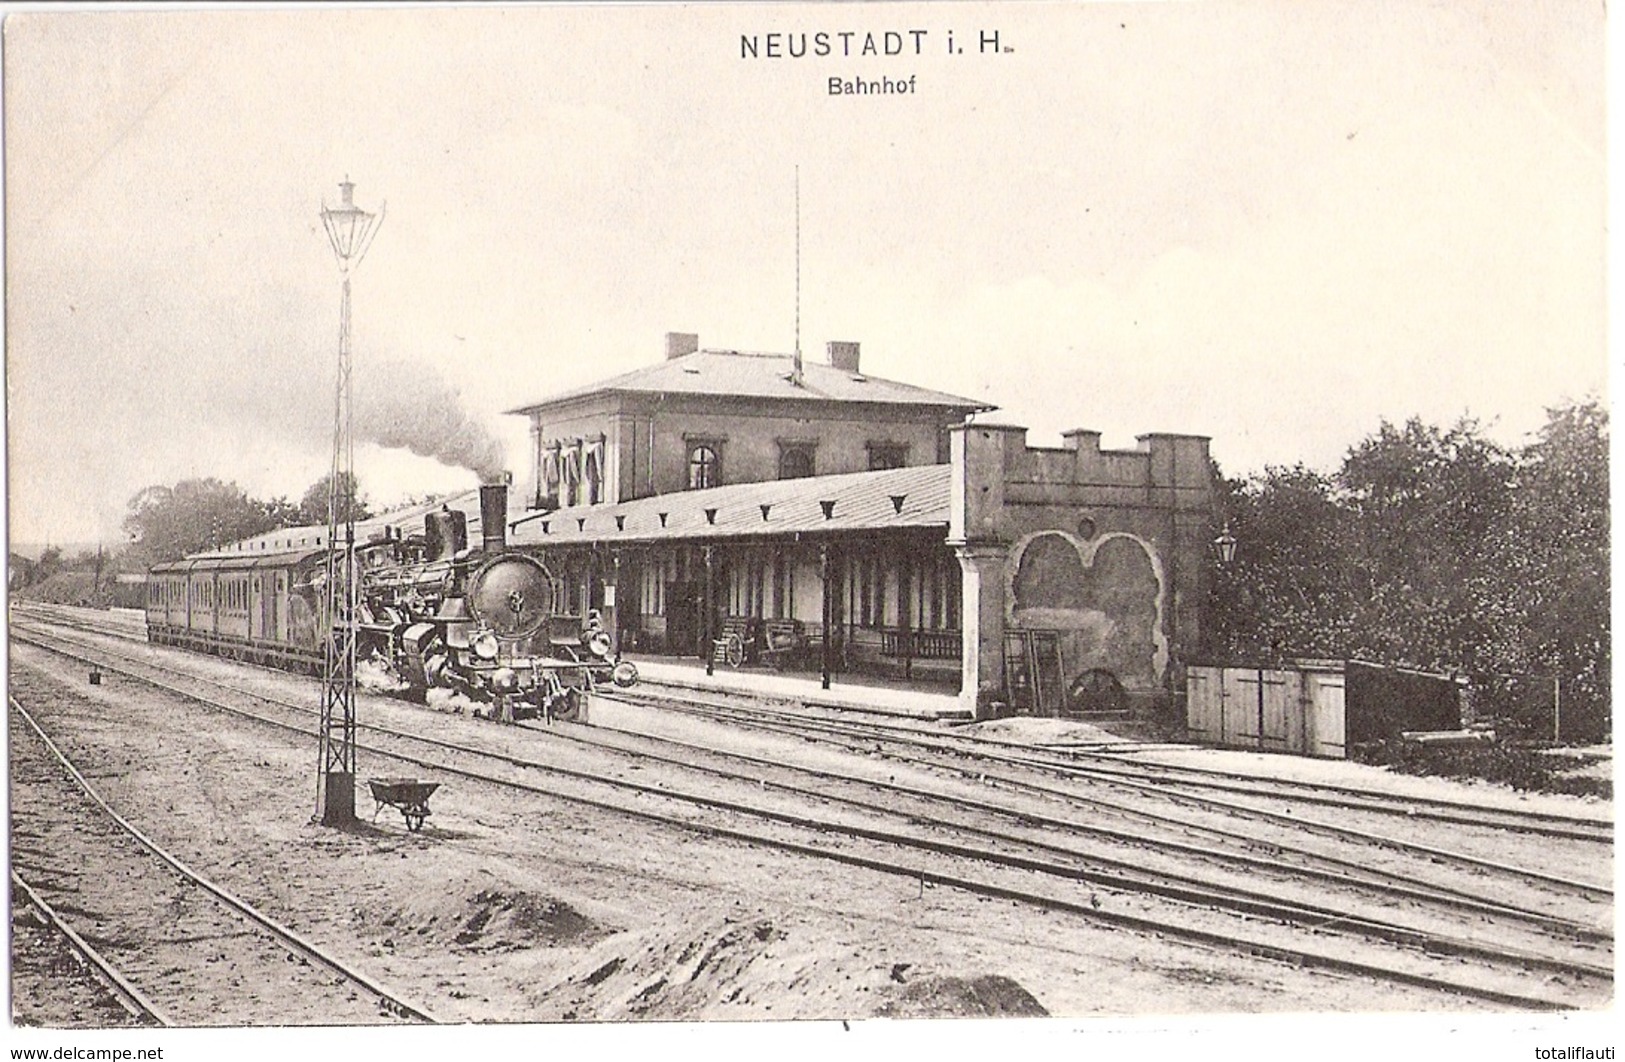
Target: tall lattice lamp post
[{"x": 350, "y": 229}]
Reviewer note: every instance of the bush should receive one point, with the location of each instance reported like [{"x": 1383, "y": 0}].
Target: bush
[{"x": 1524, "y": 769}]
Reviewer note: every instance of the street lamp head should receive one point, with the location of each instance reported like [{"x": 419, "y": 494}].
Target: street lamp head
[
  {"x": 1224, "y": 547},
  {"x": 349, "y": 228}
]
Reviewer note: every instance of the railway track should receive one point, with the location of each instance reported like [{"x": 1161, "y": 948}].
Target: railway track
[
  {"x": 174, "y": 946},
  {"x": 1101, "y": 763},
  {"x": 799, "y": 726},
  {"x": 45, "y": 949},
  {"x": 1138, "y": 846},
  {"x": 910, "y": 745},
  {"x": 1151, "y": 894},
  {"x": 1116, "y": 766},
  {"x": 1109, "y": 764},
  {"x": 1400, "y": 878}
]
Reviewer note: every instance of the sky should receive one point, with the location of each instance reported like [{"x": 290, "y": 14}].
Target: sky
[{"x": 1273, "y": 223}]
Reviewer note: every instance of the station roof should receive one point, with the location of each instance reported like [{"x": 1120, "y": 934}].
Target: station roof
[
  {"x": 739, "y": 374},
  {"x": 864, "y": 501}
]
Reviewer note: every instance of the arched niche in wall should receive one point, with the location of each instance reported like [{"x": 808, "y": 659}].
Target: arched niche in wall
[{"x": 1104, "y": 597}]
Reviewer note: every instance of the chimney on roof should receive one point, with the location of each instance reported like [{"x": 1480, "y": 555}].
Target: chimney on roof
[
  {"x": 680, "y": 343},
  {"x": 843, "y": 355}
]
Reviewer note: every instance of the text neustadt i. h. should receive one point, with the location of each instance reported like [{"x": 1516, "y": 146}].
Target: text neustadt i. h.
[{"x": 845, "y": 43}]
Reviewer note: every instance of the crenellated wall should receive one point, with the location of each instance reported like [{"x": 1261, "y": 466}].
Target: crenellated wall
[{"x": 1104, "y": 549}]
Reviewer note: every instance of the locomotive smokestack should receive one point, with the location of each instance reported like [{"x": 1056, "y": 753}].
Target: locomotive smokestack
[{"x": 494, "y": 516}]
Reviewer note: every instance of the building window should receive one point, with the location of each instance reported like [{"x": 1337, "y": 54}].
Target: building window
[
  {"x": 593, "y": 478},
  {"x": 784, "y": 586},
  {"x": 748, "y": 586},
  {"x": 795, "y": 461},
  {"x": 704, "y": 466},
  {"x": 935, "y": 590},
  {"x": 592, "y": 473},
  {"x": 654, "y": 587},
  {"x": 869, "y": 584},
  {"x": 887, "y": 455},
  {"x": 549, "y": 476},
  {"x": 570, "y": 474}
]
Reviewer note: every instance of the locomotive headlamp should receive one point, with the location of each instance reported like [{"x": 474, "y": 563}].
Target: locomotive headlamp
[
  {"x": 485, "y": 645},
  {"x": 599, "y": 643},
  {"x": 625, "y": 674}
]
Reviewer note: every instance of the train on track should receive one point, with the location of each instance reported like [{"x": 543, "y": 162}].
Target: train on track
[{"x": 432, "y": 613}]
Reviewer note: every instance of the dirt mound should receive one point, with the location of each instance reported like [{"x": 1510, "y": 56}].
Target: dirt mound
[
  {"x": 754, "y": 964},
  {"x": 695, "y": 973},
  {"x": 492, "y": 919},
  {"x": 503, "y": 921},
  {"x": 988, "y": 996},
  {"x": 1027, "y": 730}
]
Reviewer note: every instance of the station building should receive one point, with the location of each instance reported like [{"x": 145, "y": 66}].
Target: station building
[{"x": 749, "y": 509}]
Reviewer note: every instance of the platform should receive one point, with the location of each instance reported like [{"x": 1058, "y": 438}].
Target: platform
[{"x": 859, "y": 694}]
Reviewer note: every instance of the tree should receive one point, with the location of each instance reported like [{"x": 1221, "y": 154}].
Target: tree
[
  {"x": 313, "y": 507},
  {"x": 1426, "y": 508},
  {"x": 280, "y": 512},
  {"x": 1554, "y": 554},
  {"x": 20, "y": 571},
  {"x": 1435, "y": 548},
  {"x": 49, "y": 563},
  {"x": 1289, "y": 589},
  {"x": 167, "y": 523}
]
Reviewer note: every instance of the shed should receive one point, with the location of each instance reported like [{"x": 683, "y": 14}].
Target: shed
[{"x": 1315, "y": 707}]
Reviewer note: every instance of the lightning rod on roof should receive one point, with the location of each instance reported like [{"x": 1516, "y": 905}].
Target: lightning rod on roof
[{"x": 795, "y": 362}]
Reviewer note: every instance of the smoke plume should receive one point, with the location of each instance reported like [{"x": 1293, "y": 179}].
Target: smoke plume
[{"x": 409, "y": 406}]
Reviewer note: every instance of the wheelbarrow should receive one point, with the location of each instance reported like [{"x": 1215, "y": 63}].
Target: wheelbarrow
[{"x": 407, "y": 795}]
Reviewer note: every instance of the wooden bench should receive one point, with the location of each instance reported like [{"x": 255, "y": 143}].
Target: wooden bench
[
  {"x": 783, "y": 641},
  {"x": 920, "y": 645}
]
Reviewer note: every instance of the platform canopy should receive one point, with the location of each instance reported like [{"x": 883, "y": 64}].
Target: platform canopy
[{"x": 912, "y": 497}]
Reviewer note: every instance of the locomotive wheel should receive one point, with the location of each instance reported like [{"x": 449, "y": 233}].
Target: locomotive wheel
[{"x": 1096, "y": 690}]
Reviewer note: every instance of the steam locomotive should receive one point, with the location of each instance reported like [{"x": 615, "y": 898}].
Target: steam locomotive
[{"x": 432, "y": 614}]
